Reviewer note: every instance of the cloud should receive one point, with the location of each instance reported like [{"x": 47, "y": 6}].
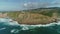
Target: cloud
[
  {"x": 55, "y": 3},
  {"x": 27, "y": 4},
  {"x": 39, "y": 4},
  {"x": 33, "y": 5}
]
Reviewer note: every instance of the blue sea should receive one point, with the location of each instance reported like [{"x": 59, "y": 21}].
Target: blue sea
[{"x": 8, "y": 26}]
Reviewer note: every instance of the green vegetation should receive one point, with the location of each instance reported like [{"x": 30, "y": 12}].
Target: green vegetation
[{"x": 42, "y": 15}]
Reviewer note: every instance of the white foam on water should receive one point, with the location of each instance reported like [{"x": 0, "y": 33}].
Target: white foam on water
[
  {"x": 3, "y": 20},
  {"x": 14, "y": 31},
  {"x": 2, "y": 28},
  {"x": 8, "y": 21},
  {"x": 13, "y": 23},
  {"x": 42, "y": 25},
  {"x": 26, "y": 27}
]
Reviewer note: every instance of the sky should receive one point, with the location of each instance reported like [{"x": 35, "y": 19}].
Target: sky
[{"x": 17, "y": 5}]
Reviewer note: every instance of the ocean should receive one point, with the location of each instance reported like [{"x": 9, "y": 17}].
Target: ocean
[{"x": 8, "y": 26}]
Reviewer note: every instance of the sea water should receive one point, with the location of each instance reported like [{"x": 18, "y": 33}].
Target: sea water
[{"x": 8, "y": 26}]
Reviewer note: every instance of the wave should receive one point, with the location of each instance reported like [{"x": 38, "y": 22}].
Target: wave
[
  {"x": 15, "y": 28},
  {"x": 10, "y": 22}
]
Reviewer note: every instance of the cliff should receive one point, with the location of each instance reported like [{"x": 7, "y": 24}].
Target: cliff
[{"x": 34, "y": 16}]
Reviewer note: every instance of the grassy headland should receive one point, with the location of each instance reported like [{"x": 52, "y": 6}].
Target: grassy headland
[{"x": 35, "y": 16}]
